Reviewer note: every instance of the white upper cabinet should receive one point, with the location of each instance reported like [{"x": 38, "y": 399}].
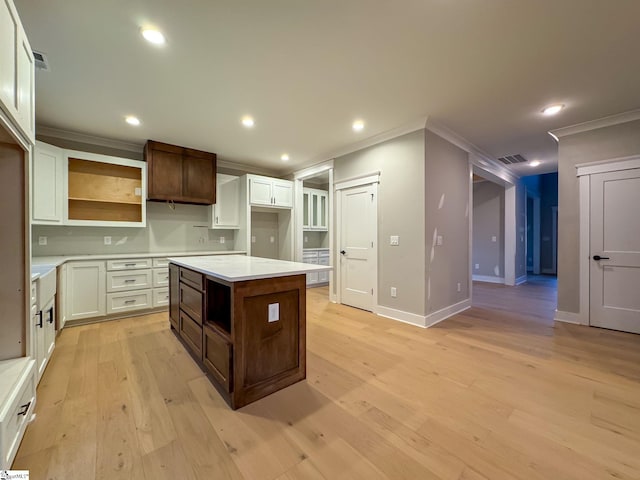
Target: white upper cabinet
[
  {"x": 315, "y": 209},
  {"x": 16, "y": 72},
  {"x": 226, "y": 211},
  {"x": 270, "y": 192},
  {"x": 47, "y": 183}
]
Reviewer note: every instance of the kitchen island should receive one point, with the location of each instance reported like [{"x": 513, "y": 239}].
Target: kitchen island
[{"x": 243, "y": 319}]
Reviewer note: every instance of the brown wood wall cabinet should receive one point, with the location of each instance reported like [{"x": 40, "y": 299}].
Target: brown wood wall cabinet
[
  {"x": 179, "y": 174},
  {"x": 226, "y": 328}
]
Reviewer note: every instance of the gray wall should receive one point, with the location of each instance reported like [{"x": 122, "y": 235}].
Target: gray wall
[
  {"x": 447, "y": 213},
  {"x": 264, "y": 227},
  {"x": 315, "y": 240},
  {"x": 184, "y": 229},
  {"x": 488, "y": 222},
  {"x": 401, "y": 211},
  {"x": 605, "y": 143}
]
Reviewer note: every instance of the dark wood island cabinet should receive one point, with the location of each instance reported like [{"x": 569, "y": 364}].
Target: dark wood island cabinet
[{"x": 243, "y": 319}]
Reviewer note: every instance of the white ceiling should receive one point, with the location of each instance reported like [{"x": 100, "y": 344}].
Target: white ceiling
[{"x": 307, "y": 69}]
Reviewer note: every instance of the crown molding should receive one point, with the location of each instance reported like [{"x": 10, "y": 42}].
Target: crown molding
[
  {"x": 417, "y": 124},
  {"x": 609, "y": 121},
  {"x": 89, "y": 139},
  {"x": 478, "y": 157}
]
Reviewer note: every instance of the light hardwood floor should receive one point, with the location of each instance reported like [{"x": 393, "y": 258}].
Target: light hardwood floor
[{"x": 490, "y": 394}]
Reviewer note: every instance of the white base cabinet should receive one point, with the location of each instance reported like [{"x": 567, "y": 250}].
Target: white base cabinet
[
  {"x": 17, "y": 404},
  {"x": 86, "y": 290},
  {"x": 316, "y": 256}
]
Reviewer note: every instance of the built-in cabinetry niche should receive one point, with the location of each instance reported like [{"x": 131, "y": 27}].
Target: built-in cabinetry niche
[
  {"x": 71, "y": 187},
  {"x": 104, "y": 191}
]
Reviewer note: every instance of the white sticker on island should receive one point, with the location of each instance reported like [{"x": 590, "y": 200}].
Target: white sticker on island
[{"x": 274, "y": 312}]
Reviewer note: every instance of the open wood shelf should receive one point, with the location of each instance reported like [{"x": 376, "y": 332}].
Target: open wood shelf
[{"x": 100, "y": 191}]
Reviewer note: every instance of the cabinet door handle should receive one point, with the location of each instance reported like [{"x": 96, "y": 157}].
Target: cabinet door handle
[
  {"x": 217, "y": 220},
  {"x": 129, "y": 302},
  {"x": 39, "y": 323},
  {"x": 50, "y": 313},
  {"x": 24, "y": 409}
]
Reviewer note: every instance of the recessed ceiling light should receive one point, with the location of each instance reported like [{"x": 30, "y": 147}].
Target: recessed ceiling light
[
  {"x": 247, "y": 121},
  {"x": 358, "y": 125},
  {"x": 284, "y": 157},
  {"x": 535, "y": 163},
  {"x": 552, "y": 109},
  {"x": 154, "y": 36},
  {"x": 131, "y": 120}
]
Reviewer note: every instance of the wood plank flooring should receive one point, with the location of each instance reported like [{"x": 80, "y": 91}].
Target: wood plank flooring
[{"x": 490, "y": 394}]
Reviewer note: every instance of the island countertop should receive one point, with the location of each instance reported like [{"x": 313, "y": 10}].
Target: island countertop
[{"x": 237, "y": 268}]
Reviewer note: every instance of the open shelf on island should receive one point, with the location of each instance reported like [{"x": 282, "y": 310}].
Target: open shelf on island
[{"x": 218, "y": 305}]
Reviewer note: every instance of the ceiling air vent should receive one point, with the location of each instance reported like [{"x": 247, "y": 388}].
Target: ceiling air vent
[
  {"x": 510, "y": 159},
  {"x": 42, "y": 62}
]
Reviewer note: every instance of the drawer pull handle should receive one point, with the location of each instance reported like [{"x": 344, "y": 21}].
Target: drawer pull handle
[
  {"x": 130, "y": 280},
  {"x": 24, "y": 409},
  {"x": 129, "y": 264},
  {"x": 129, "y": 302}
]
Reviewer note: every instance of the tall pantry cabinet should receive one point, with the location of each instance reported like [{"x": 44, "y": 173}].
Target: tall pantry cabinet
[{"x": 17, "y": 380}]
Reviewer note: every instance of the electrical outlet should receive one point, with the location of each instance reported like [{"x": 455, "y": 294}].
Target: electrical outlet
[
  {"x": 477, "y": 266},
  {"x": 306, "y": 239},
  {"x": 272, "y": 239},
  {"x": 394, "y": 240},
  {"x": 42, "y": 240},
  {"x": 394, "y": 292},
  {"x": 459, "y": 287},
  {"x": 439, "y": 240},
  {"x": 107, "y": 240},
  {"x": 494, "y": 239},
  {"x": 221, "y": 239},
  {"x": 274, "y": 312},
  {"x": 253, "y": 239}
]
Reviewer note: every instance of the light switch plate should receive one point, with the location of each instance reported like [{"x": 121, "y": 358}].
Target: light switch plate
[
  {"x": 253, "y": 239},
  {"x": 272, "y": 239},
  {"x": 439, "y": 240},
  {"x": 138, "y": 192},
  {"x": 42, "y": 240},
  {"x": 221, "y": 239},
  {"x": 394, "y": 240},
  {"x": 107, "y": 240},
  {"x": 494, "y": 238},
  {"x": 274, "y": 312}
]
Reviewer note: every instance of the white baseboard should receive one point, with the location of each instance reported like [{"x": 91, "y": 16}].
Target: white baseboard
[
  {"x": 570, "y": 317},
  {"x": 446, "y": 312},
  {"x": 521, "y": 280},
  {"x": 488, "y": 279},
  {"x": 401, "y": 316}
]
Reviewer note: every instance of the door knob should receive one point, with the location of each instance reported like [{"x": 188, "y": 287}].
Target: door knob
[
  {"x": 598, "y": 257},
  {"x": 343, "y": 252}
]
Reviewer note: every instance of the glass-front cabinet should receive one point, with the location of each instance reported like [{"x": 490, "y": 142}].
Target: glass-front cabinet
[{"x": 315, "y": 208}]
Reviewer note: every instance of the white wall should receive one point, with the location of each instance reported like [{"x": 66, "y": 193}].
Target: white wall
[
  {"x": 400, "y": 212},
  {"x": 488, "y": 222}
]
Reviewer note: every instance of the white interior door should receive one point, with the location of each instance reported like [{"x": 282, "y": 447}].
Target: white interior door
[
  {"x": 615, "y": 250},
  {"x": 358, "y": 227}
]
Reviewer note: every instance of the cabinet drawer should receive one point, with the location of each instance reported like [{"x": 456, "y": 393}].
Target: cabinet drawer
[
  {"x": 192, "y": 278},
  {"x": 129, "y": 264},
  {"x": 191, "y": 333},
  {"x": 216, "y": 356},
  {"x": 160, "y": 277},
  {"x": 160, "y": 262},
  {"x": 323, "y": 254},
  {"x": 191, "y": 302},
  {"x": 310, "y": 257},
  {"x": 127, "y": 301},
  {"x": 18, "y": 414},
  {"x": 160, "y": 297},
  {"x": 124, "y": 281}
]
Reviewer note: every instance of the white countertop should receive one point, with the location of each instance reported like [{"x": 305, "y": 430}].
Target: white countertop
[
  {"x": 237, "y": 268},
  {"x": 60, "y": 259}
]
